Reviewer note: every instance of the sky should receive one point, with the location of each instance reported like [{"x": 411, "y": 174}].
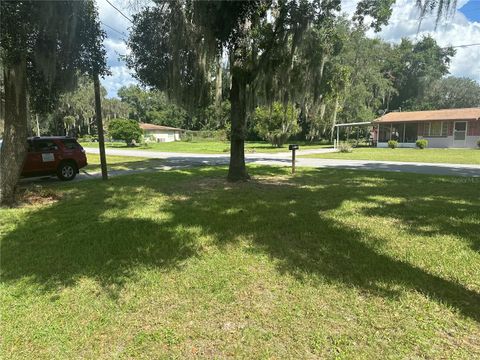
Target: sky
[{"x": 460, "y": 29}]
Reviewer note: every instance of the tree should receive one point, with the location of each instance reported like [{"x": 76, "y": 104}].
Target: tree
[
  {"x": 369, "y": 84},
  {"x": 174, "y": 45},
  {"x": 80, "y": 104},
  {"x": 276, "y": 123},
  {"x": 125, "y": 129},
  {"x": 139, "y": 100},
  {"x": 152, "y": 106},
  {"x": 449, "y": 93},
  {"x": 44, "y": 44},
  {"x": 413, "y": 67}
]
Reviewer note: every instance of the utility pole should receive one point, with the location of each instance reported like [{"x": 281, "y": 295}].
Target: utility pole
[{"x": 98, "y": 115}]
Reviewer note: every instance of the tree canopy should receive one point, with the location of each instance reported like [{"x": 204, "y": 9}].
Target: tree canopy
[
  {"x": 44, "y": 45},
  {"x": 175, "y": 45}
]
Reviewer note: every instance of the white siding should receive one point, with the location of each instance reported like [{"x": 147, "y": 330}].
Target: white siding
[{"x": 162, "y": 135}]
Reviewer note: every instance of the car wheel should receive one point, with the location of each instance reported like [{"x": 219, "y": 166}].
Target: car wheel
[{"x": 67, "y": 171}]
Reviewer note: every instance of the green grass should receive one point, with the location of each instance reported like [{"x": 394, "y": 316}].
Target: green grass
[
  {"x": 121, "y": 163},
  {"x": 452, "y": 156},
  {"x": 209, "y": 147},
  {"x": 182, "y": 264}
]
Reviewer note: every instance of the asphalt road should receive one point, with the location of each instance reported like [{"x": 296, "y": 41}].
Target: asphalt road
[{"x": 174, "y": 160}]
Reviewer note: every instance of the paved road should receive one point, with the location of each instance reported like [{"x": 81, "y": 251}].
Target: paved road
[
  {"x": 199, "y": 157},
  {"x": 175, "y": 160}
]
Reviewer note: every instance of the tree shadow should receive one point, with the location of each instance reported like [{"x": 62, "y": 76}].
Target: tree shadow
[{"x": 102, "y": 233}]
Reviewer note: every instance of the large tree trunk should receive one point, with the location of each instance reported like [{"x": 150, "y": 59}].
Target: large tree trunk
[
  {"x": 14, "y": 147},
  {"x": 101, "y": 139},
  {"x": 238, "y": 114},
  {"x": 218, "y": 83}
]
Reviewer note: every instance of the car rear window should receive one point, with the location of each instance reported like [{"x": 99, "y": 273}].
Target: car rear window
[
  {"x": 71, "y": 143},
  {"x": 44, "y": 145}
]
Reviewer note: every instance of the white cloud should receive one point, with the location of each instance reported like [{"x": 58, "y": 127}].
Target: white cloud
[{"x": 121, "y": 76}]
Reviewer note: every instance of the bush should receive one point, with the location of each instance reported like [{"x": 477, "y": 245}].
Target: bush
[
  {"x": 392, "y": 144},
  {"x": 86, "y": 138},
  {"x": 345, "y": 147},
  {"x": 125, "y": 129},
  {"x": 205, "y": 135},
  {"x": 276, "y": 123},
  {"x": 421, "y": 144}
]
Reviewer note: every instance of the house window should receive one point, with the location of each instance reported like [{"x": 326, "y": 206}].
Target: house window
[{"x": 436, "y": 128}]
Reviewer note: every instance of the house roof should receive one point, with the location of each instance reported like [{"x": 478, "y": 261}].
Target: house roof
[
  {"x": 145, "y": 126},
  {"x": 445, "y": 114}
]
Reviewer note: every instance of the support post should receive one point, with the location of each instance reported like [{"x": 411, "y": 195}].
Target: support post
[
  {"x": 98, "y": 115},
  {"x": 293, "y": 161},
  {"x": 338, "y": 135},
  {"x": 293, "y": 147}
]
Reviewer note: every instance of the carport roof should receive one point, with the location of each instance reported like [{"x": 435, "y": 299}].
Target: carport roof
[{"x": 430, "y": 115}]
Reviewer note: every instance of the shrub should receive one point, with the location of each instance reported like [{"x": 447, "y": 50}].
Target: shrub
[
  {"x": 125, "y": 129},
  {"x": 345, "y": 147},
  {"x": 392, "y": 144},
  {"x": 205, "y": 135},
  {"x": 86, "y": 138},
  {"x": 421, "y": 144},
  {"x": 276, "y": 123}
]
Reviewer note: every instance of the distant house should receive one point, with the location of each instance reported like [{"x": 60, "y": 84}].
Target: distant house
[
  {"x": 158, "y": 133},
  {"x": 457, "y": 128}
]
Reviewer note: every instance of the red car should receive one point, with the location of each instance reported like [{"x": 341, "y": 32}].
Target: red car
[{"x": 59, "y": 155}]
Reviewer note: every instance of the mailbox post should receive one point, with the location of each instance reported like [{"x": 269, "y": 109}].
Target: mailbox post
[{"x": 293, "y": 147}]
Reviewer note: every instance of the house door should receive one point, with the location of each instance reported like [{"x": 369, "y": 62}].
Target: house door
[{"x": 459, "y": 133}]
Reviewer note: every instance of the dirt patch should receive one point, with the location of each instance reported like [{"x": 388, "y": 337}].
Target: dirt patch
[{"x": 37, "y": 195}]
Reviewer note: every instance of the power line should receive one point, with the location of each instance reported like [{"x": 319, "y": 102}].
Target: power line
[
  {"x": 461, "y": 46},
  {"x": 125, "y": 16},
  {"x": 112, "y": 28}
]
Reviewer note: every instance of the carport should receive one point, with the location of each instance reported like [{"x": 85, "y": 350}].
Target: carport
[{"x": 338, "y": 126}]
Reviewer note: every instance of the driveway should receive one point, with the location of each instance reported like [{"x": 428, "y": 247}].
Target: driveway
[{"x": 178, "y": 160}]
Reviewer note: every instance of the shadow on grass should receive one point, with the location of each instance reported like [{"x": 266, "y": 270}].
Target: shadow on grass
[
  {"x": 106, "y": 231},
  {"x": 126, "y": 165}
]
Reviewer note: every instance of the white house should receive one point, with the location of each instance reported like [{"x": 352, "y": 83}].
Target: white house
[{"x": 159, "y": 133}]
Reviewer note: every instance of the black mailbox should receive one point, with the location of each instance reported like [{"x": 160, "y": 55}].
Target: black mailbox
[{"x": 293, "y": 147}]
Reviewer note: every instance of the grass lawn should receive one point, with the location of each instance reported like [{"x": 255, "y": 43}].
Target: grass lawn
[
  {"x": 209, "y": 147},
  {"x": 452, "y": 156},
  {"x": 121, "y": 163},
  {"x": 181, "y": 264}
]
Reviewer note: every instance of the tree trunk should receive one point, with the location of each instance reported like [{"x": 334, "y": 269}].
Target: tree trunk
[
  {"x": 38, "y": 124},
  {"x": 218, "y": 83},
  {"x": 98, "y": 114},
  {"x": 14, "y": 147},
  {"x": 237, "y": 170}
]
